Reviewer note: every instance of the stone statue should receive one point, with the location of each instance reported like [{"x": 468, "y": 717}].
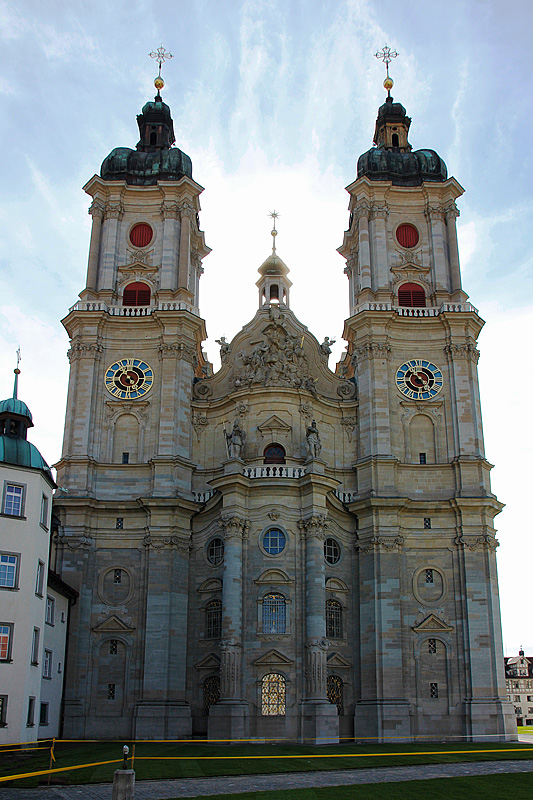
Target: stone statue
[
  {"x": 313, "y": 440},
  {"x": 325, "y": 347},
  {"x": 235, "y": 440},
  {"x": 224, "y": 348}
]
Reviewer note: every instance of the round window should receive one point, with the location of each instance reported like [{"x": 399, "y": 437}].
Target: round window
[
  {"x": 141, "y": 234},
  {"x": 332, "y": 551},
  {"x": 407, "y": 235},
  {"x": 215, "y": 551},
  {"x": 274, "y": 541}
]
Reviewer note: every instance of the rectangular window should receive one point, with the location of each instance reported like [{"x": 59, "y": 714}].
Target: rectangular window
[
  {"x": 429, "y": 576},
  {"x": 39, "y": 579},
  {"x": 13, "y": 500},
  {"x": 125, "y": 458},
  {"x": 3, "y": 710},
  {"x": 8, "y": 571},
  {"x": 50, "y": 610},
  {"x": 43, "y": 716},
  {"x": 117, "y": 576},
  {"x": 35, "y": 646},
  {"x": 6, "y": 640},
  {"x": 31, "y": 712},
  {"x": 530, "y": 710},
  {"x": 432, "y": 645},
  {"x": 422, "y": 457},
  {"x": 427, "y": 523},
  {"x": 47, "y": 664},
  {"x": 113, "y": 647},
  {"x": 516, "y": 698},
  {"x": 119, "y": 524},
  {"x": 529, "y": 721},
  {"x": 518, "y": 710},
  {"x": 44, "y": 511},
  {"x": 434, "y": 690},
  {"x": 110, "y": 691}
]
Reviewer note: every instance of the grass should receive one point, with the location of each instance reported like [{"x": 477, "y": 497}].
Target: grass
[
  {"x": 229, "y": 761},
  {"x": 497, "y": 787}
]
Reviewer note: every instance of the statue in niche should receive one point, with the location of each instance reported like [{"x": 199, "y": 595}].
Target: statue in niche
[
  {"x": 224, "y": 348},
  {"x": 314, "y": 445},
  {"x": 325, "y": 347},
  {"x": 235, "y": 440}
]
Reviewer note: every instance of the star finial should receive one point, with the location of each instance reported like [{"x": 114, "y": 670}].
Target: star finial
[
  {"x": 161, "y": 55},
  {"x": 386, "y": 55},
  {"x": 274, "y": 215}
]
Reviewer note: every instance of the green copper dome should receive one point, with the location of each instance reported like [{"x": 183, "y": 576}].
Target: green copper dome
[
  {"x": 14, "y": 450},
  {"x": 154, "y": 158},
  {"x": 14, "y": 406}
]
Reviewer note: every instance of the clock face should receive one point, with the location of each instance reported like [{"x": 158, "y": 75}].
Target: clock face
[
  {"x": 418, "y": 379},
  {"x": 129, "y": 379}
]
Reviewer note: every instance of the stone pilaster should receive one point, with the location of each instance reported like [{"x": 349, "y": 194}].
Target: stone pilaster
[
  {"x": 97, "y": 212},
  {"x": 452, "y": 212},
  {"x": 441, "y": 278},
  {"x": 170, "y": 248}
]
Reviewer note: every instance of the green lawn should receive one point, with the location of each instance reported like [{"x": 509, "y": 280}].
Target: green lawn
[
  {"x": 205, "y": 760},
  {"x": 497, "y": 787}
]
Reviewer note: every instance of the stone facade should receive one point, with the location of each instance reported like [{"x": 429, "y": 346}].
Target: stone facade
[{"x": 278, "y": 550}]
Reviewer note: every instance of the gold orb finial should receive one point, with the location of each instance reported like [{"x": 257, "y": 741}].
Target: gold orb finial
[
  {"x": 159, "y": 83},
  {"x": 388, "y": 83}
]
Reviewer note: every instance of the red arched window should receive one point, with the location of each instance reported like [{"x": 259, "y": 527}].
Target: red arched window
[
  {"x": 274, "y": 454},
  {"x": 136, "y": 294},
  {"x": 411, "y": 295},
  {"x": 141, "y": 235},
  {"x": 407, "y": 235}
]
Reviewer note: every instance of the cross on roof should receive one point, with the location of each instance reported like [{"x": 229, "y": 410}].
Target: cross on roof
[{"x": 161, "y": 55}]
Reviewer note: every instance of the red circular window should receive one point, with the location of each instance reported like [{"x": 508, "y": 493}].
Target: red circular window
[
  {"x": 141, "y": 235},
  {"x": 407, "y": 235}
]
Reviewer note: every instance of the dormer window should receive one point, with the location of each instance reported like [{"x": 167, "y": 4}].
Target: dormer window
[
  {"x": 411, "y": 295},
  {"x": 136, "y": 294}
]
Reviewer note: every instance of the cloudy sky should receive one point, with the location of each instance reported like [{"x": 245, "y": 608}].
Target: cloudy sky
[{"x": 274, "y": 102}]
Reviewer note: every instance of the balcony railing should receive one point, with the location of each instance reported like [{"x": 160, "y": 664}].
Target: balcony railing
[
  {"x": 404, "y": 311},
  {"x": 274, "y": 471},
  {"x": 132, "y": 311},
  {"x": 203, "y": 497}
]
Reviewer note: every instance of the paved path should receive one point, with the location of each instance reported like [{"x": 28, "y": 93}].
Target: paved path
[{"x": 192, "y": 787}]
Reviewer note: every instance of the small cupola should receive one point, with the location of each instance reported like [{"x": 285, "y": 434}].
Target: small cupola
[
  {"x": 156, "y": 127},
  {"x": 273, "y": 284},
  {"x": 392, "y": 127},
  {"x": 15, "y": 416}
]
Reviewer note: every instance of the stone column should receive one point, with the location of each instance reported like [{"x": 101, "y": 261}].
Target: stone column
[
  {"x": 228, "y": 719},
  {"x": 365, "y": 269},
  {"x": 435, "y": 217},
  {"x": 108, "y": 262},
  {"x": 186, "y": 215},
  {"x": 378, "y": 216},
  {"x": 452, "y": 212},
  {"x": 320, "y": 722},
  {"x": 97, "y": 212},
  {"x": 171, "y": 244}
]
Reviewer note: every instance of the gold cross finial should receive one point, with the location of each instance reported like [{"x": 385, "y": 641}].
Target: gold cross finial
[
  {"x": 161, "y": 55},
  {"x": 386, "y": 55},
  {"x": 274, "y": 215}
]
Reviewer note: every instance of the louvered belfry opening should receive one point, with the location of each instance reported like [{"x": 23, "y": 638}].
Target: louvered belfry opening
[
  {"x": 411, "y": 295},
  {"x": 136, "y": 294}
]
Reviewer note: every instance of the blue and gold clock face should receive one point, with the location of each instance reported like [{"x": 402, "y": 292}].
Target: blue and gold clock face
[
  {"x": 419, "y": 379},
  {"x": 129, "y": 378}
]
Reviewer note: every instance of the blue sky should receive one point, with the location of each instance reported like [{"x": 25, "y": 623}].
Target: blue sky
[{"x": 274, "y": 102}]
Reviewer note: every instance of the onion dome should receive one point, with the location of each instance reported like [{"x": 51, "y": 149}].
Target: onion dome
[
  {"x": 393, "y": 158},
  {"x": 154, "y": 158},
  {"x": 15, "y": 419}
]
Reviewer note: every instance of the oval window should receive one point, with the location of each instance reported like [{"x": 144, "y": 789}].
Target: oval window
[
  {"x": 407, "y": 235},
  {"x": 332, "y": 551},
  {"x": 274, "y": 541},
  {"x": 141, "y": 234},
  {"x": 215, "y": 551}
]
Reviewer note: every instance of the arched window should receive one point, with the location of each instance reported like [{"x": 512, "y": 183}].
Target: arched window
[
  {"x": 153, "y": 138},
  {"x": 274, "y": 613},
  {"x": 411, "y": 295},
  {"x": 395, "y": 140},
  {"x": 274, "y": 454},
  {"x": 333, "y": 619},
  {"x": 334, "y": 691},
  {"x": 211, "y": 692},
  {"x": 136, "y": 294},
  {"x": 213, "y": 620},
  {"x": 274, "y": 292},
  {"x": 273, "y": 695}
]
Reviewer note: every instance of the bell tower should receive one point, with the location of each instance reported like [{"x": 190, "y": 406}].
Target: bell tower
[
  {"x": 125, "y": 501},
  {"x": 425, "y": 508}
]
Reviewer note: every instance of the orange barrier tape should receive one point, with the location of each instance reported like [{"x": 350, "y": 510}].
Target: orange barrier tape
[{"x": 50, "y": 771}]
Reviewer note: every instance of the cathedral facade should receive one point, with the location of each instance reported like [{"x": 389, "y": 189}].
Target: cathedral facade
[{"x": 277, "y": 550}]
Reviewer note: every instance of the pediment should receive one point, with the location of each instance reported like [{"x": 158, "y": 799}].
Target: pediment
[
  {"x": 274, "y": 423},
  {"x": 337, "y": 661},
  {"x": 273, "y": 576},
  {"x": 432, "y": 624},
  {"x": 272, "y": 659},
  {"x": 210, "y": 585},
  {"x": 113, "y": 625},
  {"x": 210, "y": 661},
  {"x": 336, "y": 585}
]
